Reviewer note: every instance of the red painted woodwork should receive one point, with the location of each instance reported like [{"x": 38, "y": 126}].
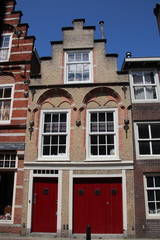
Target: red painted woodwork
[
  {"x": 44, "y": 217},
  {"x": 98, "y": 203}
]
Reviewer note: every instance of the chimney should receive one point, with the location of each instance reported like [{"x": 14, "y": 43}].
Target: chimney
[{"x": 102, "y": 28}]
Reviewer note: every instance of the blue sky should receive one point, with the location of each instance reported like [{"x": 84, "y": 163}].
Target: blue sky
[{"x": 129, "y": 25}]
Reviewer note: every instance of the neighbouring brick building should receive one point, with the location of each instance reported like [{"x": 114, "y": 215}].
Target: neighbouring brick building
[
  {"x": 145, "y": 97},
  {"x": 79, "y": 156},
  {"x": 18, "y": 59}
]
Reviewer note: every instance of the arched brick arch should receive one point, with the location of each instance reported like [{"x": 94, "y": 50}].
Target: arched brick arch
[
  {"x": 50, "y": 93},
  {"x": 101, "y": 91}
]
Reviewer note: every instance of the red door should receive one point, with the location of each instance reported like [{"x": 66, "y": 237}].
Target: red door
[
  {"x": 98, "y": 203},
  {"x": 44, "y": 217}
]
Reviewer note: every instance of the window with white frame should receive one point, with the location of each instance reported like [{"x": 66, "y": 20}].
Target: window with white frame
[
  {"x": 8, "y": 165},
  {"x": 102, "y": 134},
  {"x": 78, "y": 66},
  {"x": 5, "y": 45},
  {"x": 148, "y": 139},
  {"x": 144, "y": 86},
  {"x": 152, "y": 194},
  {"x": 6, "y": 93},
  {"x": 54, "y": 139}
]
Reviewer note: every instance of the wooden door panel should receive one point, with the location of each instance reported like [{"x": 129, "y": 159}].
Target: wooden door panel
[
  {"x": 98, "y": 203},
  {"x": 44, "y": 218}
]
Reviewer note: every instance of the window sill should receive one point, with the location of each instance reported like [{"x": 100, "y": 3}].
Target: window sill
[
  {"x": 150, "y": 157},
  {"x": 98, "y": 159},
  {"x": 51, "y": 159},
  {"x": 153, "y": 217}
]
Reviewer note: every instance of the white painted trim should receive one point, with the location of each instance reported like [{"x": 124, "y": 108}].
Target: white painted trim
[
  {"x": 7, "y": 19},
  {"x": 9, "y": 47},
  {"x": 156, "y": 84},
  {"x": 116, "y": 136},
  {"x": 30, "y": 197},
  {"x": 52, "y": 157},
  {"x": 80, "y": 165},
  {"x": 143, "y": 157},
  {"x": 140, "y": 59},
  {"x": 124, "y": 200},
  {"x": 149, "y": 216},
  {"x": 59, "y": 201},
  {"x": 70, "y": 208},
  {"x": 90, "y": 66}
]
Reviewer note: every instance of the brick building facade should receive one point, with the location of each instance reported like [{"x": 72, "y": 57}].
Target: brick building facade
[
  {"x": 17, "y": 60},
  {"x": 78, "y": 156},
  {"x": 144, "y": 84}
]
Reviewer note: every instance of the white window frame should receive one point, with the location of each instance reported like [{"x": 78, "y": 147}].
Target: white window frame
[
  {"x": 11, "y": 105},
  {"x": 8, "y": 169},
  {"x": 150, "y": 215},
  {"x": 8, "y": 47},
  {"x": 51, "y": 158},
  {"x": 90, "y": 62},
  {"x": 147, "y": 156},
  {"x": 157, "y": 87},
  {"x": 115, "y": 156}
]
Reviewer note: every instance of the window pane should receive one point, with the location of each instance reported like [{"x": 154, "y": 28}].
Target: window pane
[
  {"x": 144, "y": 148},
  {"x": 110, "y": 127},
  {"x": 150, "y": 194},
  {"x": 55, "y": 117},
  {"x": 46, "y": 150},
  {"x": 102, "y": 139},
  {"x": 55, "y": 127},
  {"x": 110, "y": 116},
  {"x": 85, "y": 76},
  {"x": 158, "y": 207},
  {"x": 94, "y": 127},
  {"x": 93, "y": 117},
  {"x": 111, "y": 150},
  {"x": 155, "y": 131},
  {"x": 94, "y": 139},
  {"x": 54, "y": 150},
  {"x": 70, "y": 76},
  {"x": 86, "y": 67},
  {"x": 70, "y": 57},
  {"x": 7, "y": 92},
  {"x": 102, "y": 127},
  {"x": 143, "y": 131},
  {"x": 78, "y": 57},
  {"x": 63, "y": 117},
  {"x": 94, "y": 150},
  {"x": 1, "y": 92},
  {"x": 157, "y": 181},
  {"x": 157, "y": 195},
  {"x": 156, "y": 147},
  {"x": 102, "y": 150},
  {"x": 78, "y": 76},
  {"x": 149, "y": 78},
  {"x": 79, "y": 68},
  {"x": 110, "y": 139},
  {"x": 137, "y": 78},
  {"x": 47, "y": 118},
  {"x": 55, "y": 139},
  {"x": 62, "y": 149},
  {"x": 151, "y": 208},
  {"x": 62, "y": 127},
  {"x": 46, "y": 140},
  {"x": 150, "y": 182},
  {"x": 151, "y": 93},
  {"x": 62, "y": 140},
  {"x": 101, "y": 117},
  {"x": 85, "y": 56},
  {"x": 71, "y": 68},
  {"x": 47, "y": 127},
  {"x": 139, "y": 93}
]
